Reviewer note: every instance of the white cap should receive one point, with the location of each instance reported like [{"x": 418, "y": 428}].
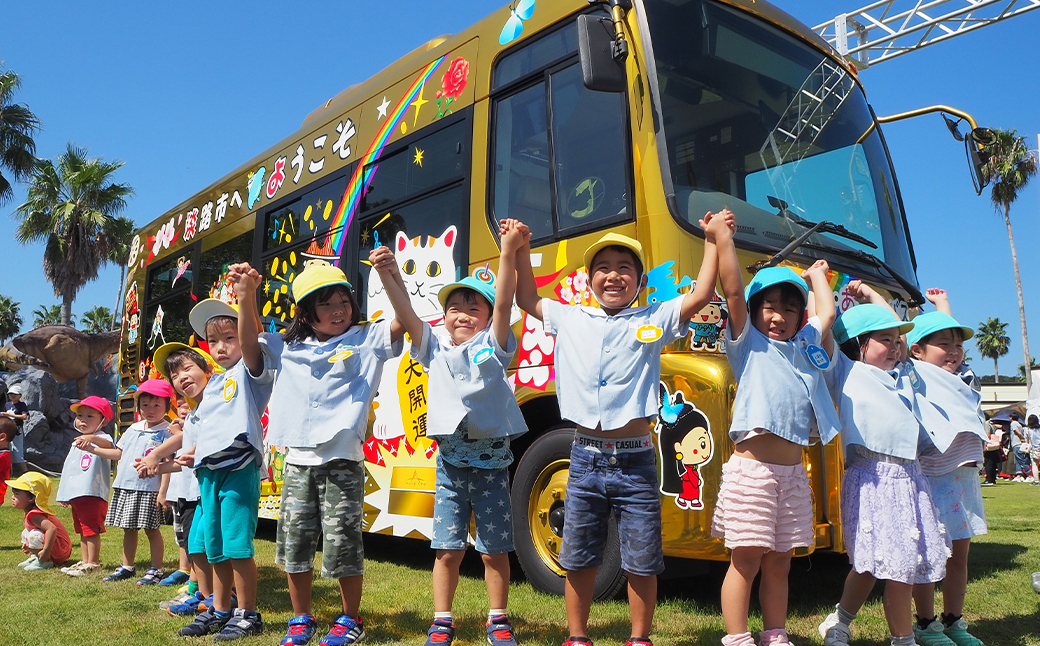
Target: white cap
[{"x": 15, "y": 390}]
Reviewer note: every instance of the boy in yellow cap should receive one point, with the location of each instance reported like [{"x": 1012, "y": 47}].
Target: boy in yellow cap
[
  {"x": 44, "y": 538},
  {"x": 608, "y": 367}
]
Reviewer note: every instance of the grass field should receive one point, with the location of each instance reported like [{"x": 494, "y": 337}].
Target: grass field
[{"x": 52, "y": 608}]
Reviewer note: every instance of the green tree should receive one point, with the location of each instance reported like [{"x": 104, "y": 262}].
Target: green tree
[
  {"x": 1009, "y": 168},
  {"x": 97, "y": 319},
  {"x": 992, "y": 341},
  {"x": 120, "y": 236},
  {"x": 1022, "y": 368},
  {"x": 17, "y": 126},
  {"x": 70, "y": 207},
  {"x": 10, "y": 319},
  {"x": 49, "y": 315}
]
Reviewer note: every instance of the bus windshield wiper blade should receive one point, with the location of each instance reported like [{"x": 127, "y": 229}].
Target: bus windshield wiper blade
[
  {"x": 916, "y": 297},
  {"x": 820, "y": 227}
]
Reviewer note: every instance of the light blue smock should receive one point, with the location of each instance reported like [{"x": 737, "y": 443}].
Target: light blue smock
[
  {"x": 606, "y": 376},
  {"x": 85, "y": 474},
  {"x": 469, "y": 380},
  {"x": 954, "y": 397},
  {"x": 778, "y": 389},
  {"x": 137, "y": 442},
  {"x": 322, "y": 388}
]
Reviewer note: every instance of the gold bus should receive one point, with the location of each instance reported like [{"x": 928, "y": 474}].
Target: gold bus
[{"x": 634, "y": 116}]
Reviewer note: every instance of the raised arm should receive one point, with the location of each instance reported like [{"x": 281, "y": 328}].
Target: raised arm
[
  {"x": 526, "y": 287},
  {"x": 247, "y": 280},
  {"x": 505, "y": 285},
  {"x": 715, "y": 225},
  {"x": 823, "y": 299},
  {"x": 405, "y": 318},
  {"x": 732, "y": 280},
  {"x": 939, "y": 298}
]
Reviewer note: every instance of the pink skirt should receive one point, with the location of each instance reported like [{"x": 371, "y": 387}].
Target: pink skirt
[{"x": 764, "y": 505}]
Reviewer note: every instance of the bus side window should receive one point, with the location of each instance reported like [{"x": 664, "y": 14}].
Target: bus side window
[{"x": 522, "y": 161}]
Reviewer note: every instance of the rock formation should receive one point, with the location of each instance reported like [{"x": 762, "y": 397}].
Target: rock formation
[{"x": 65, "y": 352}]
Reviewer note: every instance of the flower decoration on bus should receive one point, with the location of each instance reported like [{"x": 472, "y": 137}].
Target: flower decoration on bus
[
  {"x": 574, "y": 289},
  {"x": 535, "y": 355},
  {"x": 518, "y": 13},
  {"x": 255, "y": 184},
  {"x": 277, "y": 177},
  {"x": 191, "y": 224},
  {"x": 164, "y": 238},
  {"x": 452, "y": 84}
]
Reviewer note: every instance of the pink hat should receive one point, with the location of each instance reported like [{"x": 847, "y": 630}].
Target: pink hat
[
  {"x": 100, "y": 404},
  {"x": 157, "y": 387}
]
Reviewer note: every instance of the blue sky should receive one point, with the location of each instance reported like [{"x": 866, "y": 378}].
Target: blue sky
[{"x": 185, "y": 93}]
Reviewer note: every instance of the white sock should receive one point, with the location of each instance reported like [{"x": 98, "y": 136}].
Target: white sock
[
  {"x": 442, "y": 615},
  {"x": 494, "y": 612}
]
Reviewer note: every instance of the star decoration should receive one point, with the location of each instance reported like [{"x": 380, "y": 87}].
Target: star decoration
[
  {"x": 418, "y": 160},
  {"x": 418, "y": 103},
  {"x": 490, "y": 477},
  {"x": 365, "y": 235},
  {"x": 382, "y": 108},
  {"x": 490, "y": 527}
]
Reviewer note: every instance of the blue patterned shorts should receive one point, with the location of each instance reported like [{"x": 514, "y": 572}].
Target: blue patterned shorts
[
  {"x": 625, "y": 483},
  {"x": 482, "y": 493}
]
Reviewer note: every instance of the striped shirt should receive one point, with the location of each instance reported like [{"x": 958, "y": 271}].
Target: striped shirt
[
  {"x": 965, "y": 449},
  {"x": 236, "y": 456}
]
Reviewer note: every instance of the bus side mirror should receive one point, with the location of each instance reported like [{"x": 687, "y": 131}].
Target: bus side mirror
[{"x": 601, "y": 69}]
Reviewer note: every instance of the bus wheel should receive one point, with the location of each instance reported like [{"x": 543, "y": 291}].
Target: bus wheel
[{"x": 538, "y": 497}]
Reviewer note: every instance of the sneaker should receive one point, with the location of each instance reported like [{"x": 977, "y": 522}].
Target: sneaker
[
  {"x": 1036, "y": 581},
  {"x": 75, "y": 566},
  {"x": 988, "y": 484},
  {"x": 85, "y": 569},
  {"x": 442, "y": 631},
  {"x": 190, "y": 606},
  {"x": 179, "y": 599},
  {"x": 500, "y": 631},
  {"x": 121, "y": 573},
  {"x": 639, "y": 641},
  {"x": 178, "y": 577},
  {"x": 243, "y": 623},
  {"x": 577, "y": 641},
  {"x": 39, "y": 565},
  {"x": 151, "y": 577},
  {"x": 773, "y": 637},
  {"x": 344, "y": 631},
  {"x": 205, "y": 624},
  {"x": 958, "y": 633},
  {"x": 932, "y": 635},
  {"x": 29, "y": 561},
  {"x": 834, "y": 632},
  {"x": 301, "y": 631},
  {"x": 207, "y": 603}
]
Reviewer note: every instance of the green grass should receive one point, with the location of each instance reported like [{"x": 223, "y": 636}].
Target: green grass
[{"x": 52, "y": 608}]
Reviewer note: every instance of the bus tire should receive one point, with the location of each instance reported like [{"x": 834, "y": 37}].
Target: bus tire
[{"x": 538, "y": 496}]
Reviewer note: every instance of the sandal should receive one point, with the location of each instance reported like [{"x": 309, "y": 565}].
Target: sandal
[
  {"x": 151, "y": 577},
  {"x": 121, "y": 574}
]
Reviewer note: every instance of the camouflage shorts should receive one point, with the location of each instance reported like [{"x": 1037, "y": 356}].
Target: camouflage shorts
[{"x": 324, "y": 500}]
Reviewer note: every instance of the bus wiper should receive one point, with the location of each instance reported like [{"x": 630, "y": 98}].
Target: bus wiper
[
  {"x": 829, "y": 227},
  {"x": 916, "y": 298},
  {"x": 820, "y": 227}
]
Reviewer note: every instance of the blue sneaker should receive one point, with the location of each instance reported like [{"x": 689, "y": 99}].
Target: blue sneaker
[
  {"x": 345, "y": 631},
  {"x": 243, "y": 623},
  {"x": 187, "y": 606},
  {"x": 206, "y": 623},
  {"x": 301, "y": 631},
  {"x": 441, "y": 633},
  {"x": 177, "y": 577},
  {"x": 500, "y": 631}
]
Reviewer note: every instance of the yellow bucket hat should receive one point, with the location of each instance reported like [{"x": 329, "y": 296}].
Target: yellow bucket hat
[
  {"x": 38, "y": 485},
  {"x": 163, "y": 352},
  {"x": 315, "y": 275},
  {"x": 207, "y": 309},
  {"x": 614, "y": 240}
]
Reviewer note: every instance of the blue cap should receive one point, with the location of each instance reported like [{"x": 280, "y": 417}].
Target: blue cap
[
  {"x": 865, "y": 318},
  {"x": 933, "y": 322},
  {"x": 771, "y": 276},
  {"x": 486, "y": 290}
]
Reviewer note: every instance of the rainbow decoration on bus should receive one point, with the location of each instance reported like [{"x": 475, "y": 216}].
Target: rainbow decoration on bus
[{"x": 352, "y": 196}]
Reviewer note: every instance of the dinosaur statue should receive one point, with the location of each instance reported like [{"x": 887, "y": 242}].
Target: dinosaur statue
[{"x": 65, "y": 352}]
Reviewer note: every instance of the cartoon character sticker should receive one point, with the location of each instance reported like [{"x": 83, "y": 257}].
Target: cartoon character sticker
[
  {"x": 685, "y": 445},
  {"x": 708, "y": 325}
]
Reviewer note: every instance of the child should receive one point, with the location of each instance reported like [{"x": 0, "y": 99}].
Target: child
[
  {"x": 937, "y": 344},
  {"x": 84, "y": 483},
  {"x": 889, "y": 521},
  {"x": 44, "y": 537},
  {"x": 608, "y": 370},
  {"x": 225, "y": 443},
  {"x": 134, "y": 504},
  {"x": 326, "y": 364},
  {"x": 8, "y": 429},
  {"x": 18, "y": 411},
  {"x": 472, "y": 414},
  {"x": 764, "y": 509}
]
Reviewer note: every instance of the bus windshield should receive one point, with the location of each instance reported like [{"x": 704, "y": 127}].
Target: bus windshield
[{"x": 757, "y": 121}]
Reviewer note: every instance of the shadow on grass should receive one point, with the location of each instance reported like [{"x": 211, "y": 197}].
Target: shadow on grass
[
  {"x": 987, "y": 559},
  {"x": 1012, "y": 629}
]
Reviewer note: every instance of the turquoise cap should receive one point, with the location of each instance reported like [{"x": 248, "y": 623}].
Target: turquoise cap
[
  {"x": 771, "y": 276},
  {"x": 865, "y": 318},
  {"x": 469, "y": 282},
  {"x": 933, "y": 322}
]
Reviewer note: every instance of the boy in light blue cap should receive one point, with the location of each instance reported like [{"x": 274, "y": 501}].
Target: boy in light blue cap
[
  {"x": 937, "y": 344},
  {"x": 472, "y": 413}
]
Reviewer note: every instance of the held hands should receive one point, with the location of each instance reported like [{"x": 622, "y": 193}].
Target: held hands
[
  {"x": 162, "y": 503},
  {"x": 176, "y": 425},
  {"x": 383, "y": 261},
  {"x": 244, "y": 277},
  {"x": 187, "y": 458},
  {"x": 146, "y": 467},
  {"x": 514, "y": 235},
  {"x": 936, "y": 296},
  {"x": 84, "y": 443},
  {"x": 819, "y": 269},
  {"x": 718, "y": 226}
]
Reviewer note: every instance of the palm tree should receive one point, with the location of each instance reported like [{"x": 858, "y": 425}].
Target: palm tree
[
  {"x": 97, "y": 319},
  {"x": 120, "y": 235},
  {"x": 10, "y": 319},
  {"x": 992, "y": 341},
  {"x": 71, "y": 207},
  {"x": 1009, "y": 168},
  {"x": 48, "y": 315},
  {"x": 17, "y": 126},
  {"x": 1022, "y": 368}
]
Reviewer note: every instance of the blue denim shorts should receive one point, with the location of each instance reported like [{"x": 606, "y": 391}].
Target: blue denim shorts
[
  {"x": 625, "y": 483},
  {"x": 484, "y": 493}
]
